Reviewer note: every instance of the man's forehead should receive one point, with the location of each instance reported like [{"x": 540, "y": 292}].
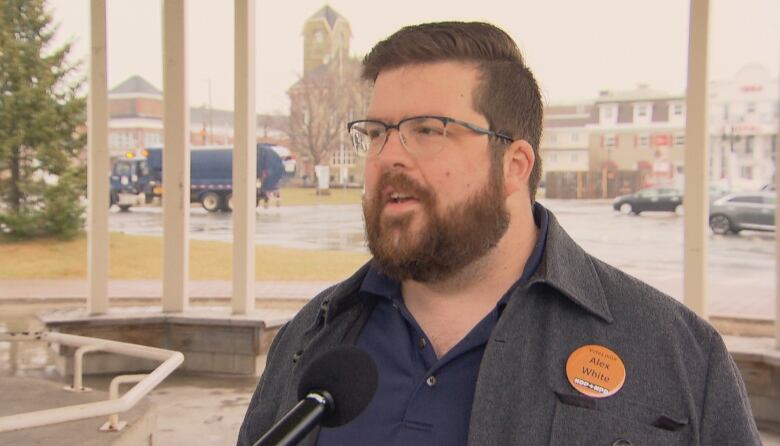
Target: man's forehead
[{"x": 438, "y": 88}]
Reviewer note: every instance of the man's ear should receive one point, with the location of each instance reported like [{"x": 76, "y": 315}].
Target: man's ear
[{"x": 519, "y": 160}]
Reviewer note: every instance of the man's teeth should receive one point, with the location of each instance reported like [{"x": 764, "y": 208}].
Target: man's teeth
[{"x": 397, "y": 198}]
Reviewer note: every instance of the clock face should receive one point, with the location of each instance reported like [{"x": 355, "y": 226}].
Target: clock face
[{"x": 318, "y": 37}]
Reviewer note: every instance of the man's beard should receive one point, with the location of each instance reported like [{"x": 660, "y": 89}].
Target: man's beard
[{"x": 445, "y": 244}]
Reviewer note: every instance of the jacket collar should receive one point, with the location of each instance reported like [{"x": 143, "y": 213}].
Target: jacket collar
[
  {"x": 565, "y": 266},
  {"x": 569, "y": 269}
]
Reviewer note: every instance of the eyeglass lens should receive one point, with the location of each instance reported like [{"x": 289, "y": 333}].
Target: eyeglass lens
[{"x": 418, "y": 135}]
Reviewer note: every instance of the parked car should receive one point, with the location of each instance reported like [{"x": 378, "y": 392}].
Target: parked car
[
  {"x": 719, "y": 191},
  {"x": 735, "y": 212},
  {"x": 665, "y": 199}
]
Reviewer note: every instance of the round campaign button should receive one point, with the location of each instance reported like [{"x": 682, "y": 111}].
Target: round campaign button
[{"x": 596, "y": 371}]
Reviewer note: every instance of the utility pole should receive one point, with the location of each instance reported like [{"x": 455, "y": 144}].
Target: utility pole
[{"x": 211, "y": 117}]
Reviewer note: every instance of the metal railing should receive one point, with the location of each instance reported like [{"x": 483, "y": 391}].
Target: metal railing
[{"x": 115, "y": 404}]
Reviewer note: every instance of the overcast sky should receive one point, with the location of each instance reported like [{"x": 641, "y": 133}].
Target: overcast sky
[{"x": 574, "y": 47}]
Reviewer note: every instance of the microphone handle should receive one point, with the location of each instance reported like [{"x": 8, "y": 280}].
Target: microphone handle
[{"x": 296, "y": 423}]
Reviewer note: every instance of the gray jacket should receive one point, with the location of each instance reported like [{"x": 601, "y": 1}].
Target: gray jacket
[{"x": 681, "y": 386}]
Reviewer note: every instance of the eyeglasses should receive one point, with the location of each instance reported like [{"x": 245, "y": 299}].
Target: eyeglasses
[{"x": 419, "y": 134}]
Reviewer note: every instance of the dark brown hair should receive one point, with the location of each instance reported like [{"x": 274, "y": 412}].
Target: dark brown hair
[{"x": 508, "y": 95}]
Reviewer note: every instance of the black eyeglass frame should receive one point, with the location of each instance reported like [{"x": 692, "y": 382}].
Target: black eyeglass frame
[{"x": 444, "y": 119}]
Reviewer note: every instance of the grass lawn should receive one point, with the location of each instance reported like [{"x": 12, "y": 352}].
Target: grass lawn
[
  {"x": 299, "y": 196},
  {"x": 140, "y": 257}
]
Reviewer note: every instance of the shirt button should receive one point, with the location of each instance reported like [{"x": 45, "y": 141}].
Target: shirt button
[
  {"x": 431, "y": 381},
  {"x": 421, "y": 343},
  {"x": 622, "y": 442}
]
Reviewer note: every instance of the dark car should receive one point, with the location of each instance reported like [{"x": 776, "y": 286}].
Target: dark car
[
  {"x": 660, "y": 199},
  {"x": 735, "y": 212}
]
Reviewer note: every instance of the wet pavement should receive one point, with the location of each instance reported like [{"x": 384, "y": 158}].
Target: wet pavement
[{"x": 326, "y": 227}]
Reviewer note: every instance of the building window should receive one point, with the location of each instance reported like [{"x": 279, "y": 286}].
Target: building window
[
  {"x": 746, "y": 172},
  {"x": 608, "y": 114},
  {"x": 610, "y": 141},
  {"x": 725, "y": 111},
  {"x": 749, "y": 140},
  {"x": 344, "y": 157},
  {"x": 644, "y": 141},
  {"x": 552, "y": 157},
  {"x": 575, "y": 136},
  {"x": 677, "y": 110},
  {"x": 575, "y": 158},
  {"x": 751, "y": 107},
  {"x": 679, "y": 140},
  {"x": 552, "y": 137},
  {"x": 641, "y": 111}
]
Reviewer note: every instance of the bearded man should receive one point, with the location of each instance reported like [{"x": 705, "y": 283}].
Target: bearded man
[{"x": 488, "y": 324}]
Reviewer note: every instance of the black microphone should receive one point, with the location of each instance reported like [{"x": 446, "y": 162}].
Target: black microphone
[{"x": 334, "y": 389}]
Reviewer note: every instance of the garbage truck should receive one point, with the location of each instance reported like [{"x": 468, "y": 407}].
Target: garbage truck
[{"x": 137, "y": 179}]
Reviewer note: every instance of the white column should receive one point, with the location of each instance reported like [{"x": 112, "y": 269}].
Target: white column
[
  {"x": 696, "y": 191},
  {"x": 97, "y": 163},
  {"x": 777, "y": 223},
  {"x": 244, "y": 160},
  {"x": 176, "y": 159}
]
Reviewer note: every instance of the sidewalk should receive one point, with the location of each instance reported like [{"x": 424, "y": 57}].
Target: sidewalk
[
  {"x": 735, "y": 305},
  {"x": 69, "y": 290}
]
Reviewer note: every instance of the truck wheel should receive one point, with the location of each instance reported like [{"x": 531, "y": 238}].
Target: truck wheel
[
  {"x": 228, "y": 204},
  {"x": 124, "y": 207},
  {"x": 211, "y": 201}
]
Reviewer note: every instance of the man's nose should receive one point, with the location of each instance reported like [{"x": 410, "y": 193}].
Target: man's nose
[{"x": 394, "y": 151}]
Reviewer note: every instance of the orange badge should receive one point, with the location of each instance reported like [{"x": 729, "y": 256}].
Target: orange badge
[{"x": 596, "y": 371}]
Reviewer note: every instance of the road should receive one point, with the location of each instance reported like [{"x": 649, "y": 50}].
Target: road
[{"x": 650, "y": 246}]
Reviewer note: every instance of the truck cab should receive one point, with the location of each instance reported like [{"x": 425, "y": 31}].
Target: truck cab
[{"x": 131, "y": 183}]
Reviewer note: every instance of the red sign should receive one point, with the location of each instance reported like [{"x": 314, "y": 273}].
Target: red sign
[
  {"x": 751, "y": 88},
  {"x": 662, "y": 140}
]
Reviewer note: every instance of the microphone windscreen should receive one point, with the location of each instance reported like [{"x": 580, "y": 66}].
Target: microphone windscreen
[{"x": 349, "y": 375}]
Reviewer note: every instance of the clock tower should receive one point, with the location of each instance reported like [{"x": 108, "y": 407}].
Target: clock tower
[{"x": 326, "y": 37}]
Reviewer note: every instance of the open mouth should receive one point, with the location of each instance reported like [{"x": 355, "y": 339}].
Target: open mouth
[{"x": 399, "y": 197}]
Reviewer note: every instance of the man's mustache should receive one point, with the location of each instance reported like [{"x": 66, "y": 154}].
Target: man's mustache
[{"x": 402, "y": 183}]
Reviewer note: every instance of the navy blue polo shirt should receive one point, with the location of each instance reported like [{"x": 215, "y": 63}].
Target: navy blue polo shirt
[{"x": 420, "y": 399}]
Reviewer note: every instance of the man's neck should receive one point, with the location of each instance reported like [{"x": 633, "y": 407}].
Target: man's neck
[{"x": 448, "y": 309}]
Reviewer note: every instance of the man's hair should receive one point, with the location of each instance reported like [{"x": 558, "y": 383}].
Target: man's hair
[{"x": 507, "y": 95}]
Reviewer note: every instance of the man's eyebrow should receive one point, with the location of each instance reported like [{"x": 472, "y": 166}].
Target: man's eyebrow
[
  {"x": 376, "y": 118},
  {"x": 396, "y": 121}
]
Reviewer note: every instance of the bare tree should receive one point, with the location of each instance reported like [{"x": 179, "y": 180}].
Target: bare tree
[{"x": 321, "y": 104}]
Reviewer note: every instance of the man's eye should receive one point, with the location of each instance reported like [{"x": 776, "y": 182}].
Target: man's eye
[
  {"x": 375, "y": 133},
  {"x": 424, "y": 130}
]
